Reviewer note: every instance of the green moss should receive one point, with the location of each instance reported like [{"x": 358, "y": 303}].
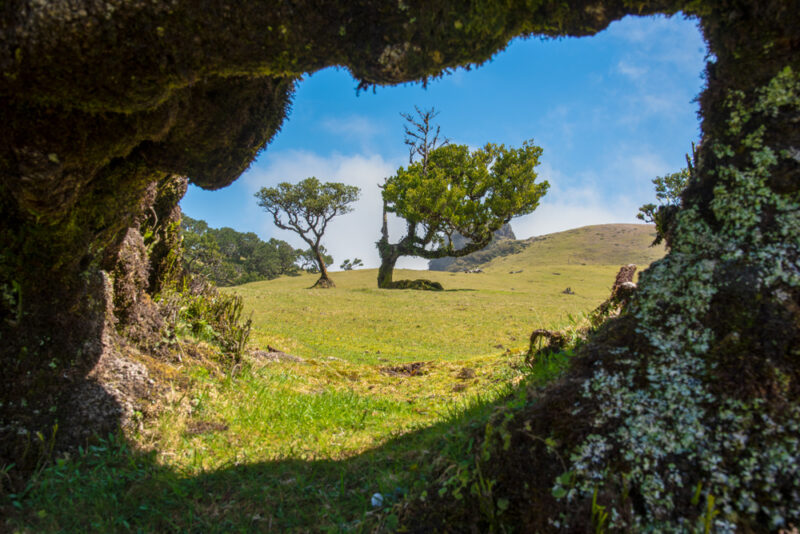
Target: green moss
[{"x": 420, "y": 284}]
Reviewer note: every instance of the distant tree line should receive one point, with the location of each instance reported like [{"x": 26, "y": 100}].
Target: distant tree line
[{"x": 228, "y": 257}]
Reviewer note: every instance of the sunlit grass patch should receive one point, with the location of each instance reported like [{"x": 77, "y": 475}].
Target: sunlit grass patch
[
  {"x": 477, "y": 314},
  {"x": 317, "y": 409},
  {"x": 293, "y": 447}
]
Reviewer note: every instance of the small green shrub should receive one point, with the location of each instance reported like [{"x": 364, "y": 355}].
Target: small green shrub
[{"x": 200, "y": 311}]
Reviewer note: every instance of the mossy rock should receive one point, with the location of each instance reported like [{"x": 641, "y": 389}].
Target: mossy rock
[{"x": 420, "y": 283}]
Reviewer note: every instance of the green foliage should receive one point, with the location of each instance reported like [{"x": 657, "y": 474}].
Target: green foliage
[
  {"x": 473, "y": 193},
  {"x": 419, "y": 284},
  {"x": 306, "y": 208},
  {"x": 308, "y": 260},
  {"x": 11, "y": 300},
  {"x": 227, "y": 257},
  {"x": 668, "y": 193},
  {"x": 599, "y": 515},
  {"x": 709, "y": 514},
  {"x": 451, "y": 198},
  {"x": 199, "y": 310},
  {"x": 458, "y": 191},
  {"x": 348, "y": 265}
]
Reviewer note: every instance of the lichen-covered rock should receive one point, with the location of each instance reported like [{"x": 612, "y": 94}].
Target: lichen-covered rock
[{"x": 683, "y": 414}]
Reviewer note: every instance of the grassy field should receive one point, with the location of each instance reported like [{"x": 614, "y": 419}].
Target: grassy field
[
  {"x": 303, "y": 445},
  {"x": 476, "y": 315}
]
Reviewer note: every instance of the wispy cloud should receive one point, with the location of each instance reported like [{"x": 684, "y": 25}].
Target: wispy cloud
[
  {"x": 358, "y": 129},
  {"x": 563, "y": 209},
  {"x": 572, "y": 201},
  {"x": 658, "y": 55},
  {"x": 635, "y": 72},
  {"x": 351, "y": 126},
  {"x": 575, "y": 201}
]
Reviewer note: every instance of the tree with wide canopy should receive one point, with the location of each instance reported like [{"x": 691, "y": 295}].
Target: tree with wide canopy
[
  {"x": 306, "y": 208},
  {"x": 456, "y": 191}
]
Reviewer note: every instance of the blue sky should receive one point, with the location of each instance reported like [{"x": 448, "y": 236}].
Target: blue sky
[{"x": 611, "y": 112}]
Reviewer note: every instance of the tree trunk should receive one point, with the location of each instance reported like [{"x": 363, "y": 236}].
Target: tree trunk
[
  {"x": 388, "y": 253},
  {"x": 324, "y": 280},
  {"x": 386, "y": 270}
]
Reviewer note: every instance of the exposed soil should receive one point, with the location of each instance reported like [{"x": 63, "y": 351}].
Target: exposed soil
[
  {"x": 194, "y": 428},
  {"x": 408, "y": 369}
]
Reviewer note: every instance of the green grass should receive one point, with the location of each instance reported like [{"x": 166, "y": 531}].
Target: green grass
[
  {"x": 262, "y": 479},
  {"x": 301, "y": 446},
  {"x": 476, "y": 315}
]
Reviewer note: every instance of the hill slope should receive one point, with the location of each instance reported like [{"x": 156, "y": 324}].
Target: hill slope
[
  {"x": 503, "y": 242},
  {"x": 604, "y": 244}
]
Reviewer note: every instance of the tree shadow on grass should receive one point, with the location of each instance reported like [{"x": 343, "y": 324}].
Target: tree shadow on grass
[
  {"x": 452, "y": 290},
  {"x": 109, "y": 487}
]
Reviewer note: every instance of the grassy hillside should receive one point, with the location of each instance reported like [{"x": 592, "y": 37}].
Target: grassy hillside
[
  {"x": 603, "y": 244},
  {"x": 303, "y": 445}
]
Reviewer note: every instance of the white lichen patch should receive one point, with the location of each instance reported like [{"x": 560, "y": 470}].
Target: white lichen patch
[{"x": 672, "y": 428}]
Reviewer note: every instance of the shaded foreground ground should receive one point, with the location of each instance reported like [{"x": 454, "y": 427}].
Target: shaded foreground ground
[
  {"x": 286, "y": 444},
  {"x": 274, "y": 450}
]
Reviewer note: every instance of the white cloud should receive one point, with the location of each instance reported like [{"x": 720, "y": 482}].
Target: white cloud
[
  {"x": 351, "y": 126},
  {"x": 564, "y": 209},
  {"x": 592, "y": 202},
  {"x": 354, "y": 235},
  {"x": 359, "y": 130},
  {"x": 648, "y": 34},
  {"x": 642, "y": 167},
  {"x": 658, "y": 55}
]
